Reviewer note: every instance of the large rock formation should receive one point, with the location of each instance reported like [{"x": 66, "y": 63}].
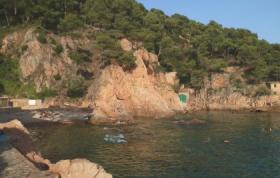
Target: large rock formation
[
  {"x": 118, "y": 94},
  {"x": 113, "y": 92}
]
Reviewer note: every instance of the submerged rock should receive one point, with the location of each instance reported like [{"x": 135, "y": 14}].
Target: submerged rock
[
  {"x": 79, "y": 168},
  {"x": 196, "y": 122},
  {"x": 226, "y": 141},
  {"x": 191, "y": 122},
  {"x": 116, "y": 139}
]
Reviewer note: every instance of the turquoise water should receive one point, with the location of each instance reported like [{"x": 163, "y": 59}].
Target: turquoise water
[{"x": 164, "y": 148}]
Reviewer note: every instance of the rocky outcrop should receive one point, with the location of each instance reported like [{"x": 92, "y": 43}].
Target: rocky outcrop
[
  {"x": 220, "y": 81},
  {"x": 14, "y": 124},
  {"x": 39, "y": 62},
  {"x": 117, "y": 94},
  {"x": 20, "y": 139},
  {"x": 79, "y": 168},
  {"x": 221, "y": 94},
  {"x": 126, "y": 45},
  {"x": 17, "y": 166}
]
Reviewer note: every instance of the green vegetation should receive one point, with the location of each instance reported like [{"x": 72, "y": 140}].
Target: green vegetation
[
  {"x": 58, "y": 49},
  {"x": 10, "y": 83},
  {"x": 2, "y": 89},
  {"x": 76, "y": 89},
  {"x": 46, "y": 93},
  {"x": 192, "y": 49},
  {"x": 9, "y": 73},
  {"x": 24, "y": 48},
  {"x": 262, "y": 90},
  {"x": 112, "y": 52},
  {"x": 57, "y": 77},
  {"x": 81, "y": 56},
  {"x": 69, "y": 22},
  {"x": 41, "y": 37}
]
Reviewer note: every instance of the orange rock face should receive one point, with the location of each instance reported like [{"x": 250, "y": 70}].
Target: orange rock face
[{"x": 119, "y": 94}]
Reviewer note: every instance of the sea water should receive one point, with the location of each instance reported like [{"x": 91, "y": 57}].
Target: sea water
[{"x": 229, "y": 145}]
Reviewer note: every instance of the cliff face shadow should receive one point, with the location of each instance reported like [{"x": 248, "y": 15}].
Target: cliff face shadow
[
  {"x": 3, "y": 163},
  {"x": 4, "y": 146}
]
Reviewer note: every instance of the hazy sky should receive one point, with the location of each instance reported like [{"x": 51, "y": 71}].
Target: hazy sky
[{"x": 259, "y": 16}]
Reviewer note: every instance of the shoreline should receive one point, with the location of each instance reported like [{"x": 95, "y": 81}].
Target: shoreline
[
  {"x": 76, "y": 115},
  {"x": 20, "y": 148}
]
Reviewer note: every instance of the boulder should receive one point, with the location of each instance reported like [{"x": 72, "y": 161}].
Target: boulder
[
  {"x": 190, "y": 122},
  {"x": 14, "y": 124},
  {"x": 196, "y": 122},
  {"x": 79, "y": 168},
  {"x": 126, "y": 45}
]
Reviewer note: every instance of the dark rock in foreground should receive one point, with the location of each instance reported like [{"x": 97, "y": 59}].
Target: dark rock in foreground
[{"x": 24, "y": 162}]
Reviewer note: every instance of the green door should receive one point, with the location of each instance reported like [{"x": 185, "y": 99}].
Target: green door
[{"x": 183, "y": 98}]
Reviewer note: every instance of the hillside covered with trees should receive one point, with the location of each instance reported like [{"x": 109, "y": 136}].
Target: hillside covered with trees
[{"x": 192, "y": 49}]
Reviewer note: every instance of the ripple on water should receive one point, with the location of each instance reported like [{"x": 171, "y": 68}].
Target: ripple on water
[{"x": 162, "y": 148}]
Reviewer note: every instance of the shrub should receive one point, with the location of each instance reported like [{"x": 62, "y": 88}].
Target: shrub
[
  {"x": 76, "y": 92},
  {"x": 112, "y": 51},
  {"x": 58, "y": 49},
  {"x": 69, "y": 23},
  {"x": 262, "y": 90},
  {"x": 159, "y": 69},
  {"x": 127, "y": 61},
  {"x": 46, "y": 93},
  {"x": 81, "y": 56},
  {"x": 76, "y": 89},
  {"x": 106, "y": 41},
  {"x": 9, "y": 75},
  {"x": 41, "y": 37},
  {"x": 2, "y": 89},
  {"x": 237, "y": 83},
  {"x": 197, "y": 78},
  {"x": 24, "y": 48},
  {"x": 52, "y": 41},
  {"x": 57, "y": 77}
]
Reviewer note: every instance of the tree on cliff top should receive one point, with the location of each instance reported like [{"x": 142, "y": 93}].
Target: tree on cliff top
[{"x": 182, "y": 45}]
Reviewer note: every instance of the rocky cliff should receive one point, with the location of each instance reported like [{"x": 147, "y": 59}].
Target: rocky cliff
[
  {"x": 48, "y": 62},
  {"x": 139, "y": 93},
  {"x": 222, "y": 92}
]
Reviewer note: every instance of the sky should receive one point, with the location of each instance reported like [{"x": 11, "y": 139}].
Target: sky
[{"x": 259, "y": 16}]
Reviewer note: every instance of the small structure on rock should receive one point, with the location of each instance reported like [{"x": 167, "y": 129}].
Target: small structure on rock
[
  {"x": 4, "y": 102},
  {"x": 27, "y": 103},
  {"x": 184, "y": 95},
  {"x": 275, "y": 88}
]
